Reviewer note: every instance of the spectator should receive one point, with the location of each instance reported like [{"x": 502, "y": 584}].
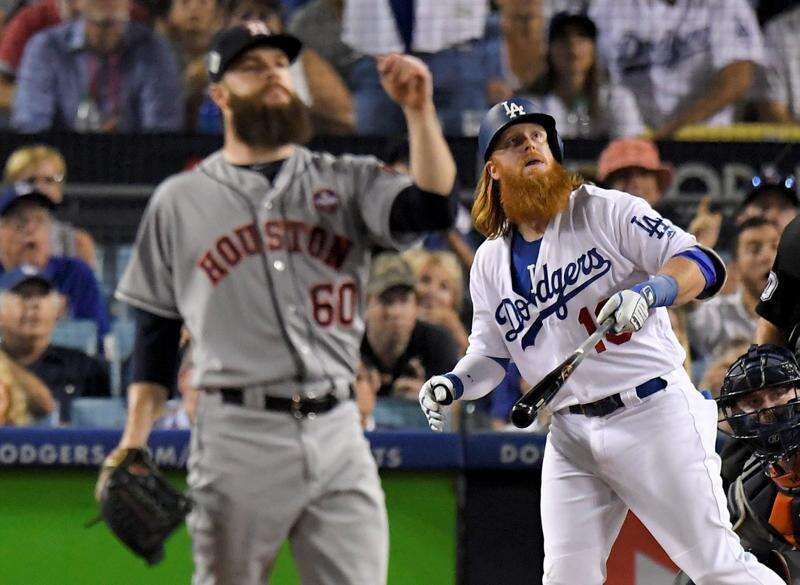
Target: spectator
[
  {"x": 723, "y": 358},
  {"x": 634, "y": 165},
  {"x": 440, "y": 291},
  {"x": 686, "y": 62},
  {"x": 368, "y": 382},
  {"x": 773, "y": 197},
  {"x": 190, "y": 25},
  {"x": 779, "y": 99},
  {"x": 523, "y": 25},
  {"x": 46, "y": 170},
  {"x": 319, "y": 25},
  {"x": 316, "y": 81},
  {"x": 404, "y": 349},
  {"x": 728, "y": 317},
  {"x": 25, "y": 226},
  {"x": 30, "y": 308},
  {"x": 461, "y": 60},
  {"x": 36, "y": 17},
  {"x": 98, "y": 73},
  {"x": 573, "y": 89}
]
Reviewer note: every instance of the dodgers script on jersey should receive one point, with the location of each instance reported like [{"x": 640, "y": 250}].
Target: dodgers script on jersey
[
  {"x": 199, "y": 258},
  {"x": 606, "y": 241},
  {"x": 666, "y": 53}
]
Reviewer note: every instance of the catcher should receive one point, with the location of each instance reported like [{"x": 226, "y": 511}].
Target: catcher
[{"x": 759, "y": 404}]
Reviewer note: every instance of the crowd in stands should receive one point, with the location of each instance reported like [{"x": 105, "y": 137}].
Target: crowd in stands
[
  {"x": 602, "y": 68},
  {"x": 625, "y": 71}
]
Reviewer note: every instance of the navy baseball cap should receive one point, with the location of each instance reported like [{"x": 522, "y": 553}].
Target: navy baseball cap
[
  {"x": 23, "y": 191},
  {"x": 516, "y": 111},
  {"x": 25, "y": 273},
  {"x": 564, "y": 20},
  {"x": 230, "y": 43}
]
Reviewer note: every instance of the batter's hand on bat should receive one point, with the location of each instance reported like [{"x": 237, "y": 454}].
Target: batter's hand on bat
[
  {"x": 435, "y": 394},
  {"x": 407, "y": 80},
  {"x": 630, "y": 310}
]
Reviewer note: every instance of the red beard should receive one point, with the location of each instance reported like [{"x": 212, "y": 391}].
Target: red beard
[{"x": 535, "y": 198}]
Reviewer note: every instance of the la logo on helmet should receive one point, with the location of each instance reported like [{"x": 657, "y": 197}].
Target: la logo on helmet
[{"x": 513, "y": 110}]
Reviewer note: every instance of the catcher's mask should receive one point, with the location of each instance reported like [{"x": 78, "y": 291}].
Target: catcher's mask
[{"x": 760, "y": 403}]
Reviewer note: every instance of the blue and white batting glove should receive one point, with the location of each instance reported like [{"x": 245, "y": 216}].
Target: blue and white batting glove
[
  {"x": 434, "y": 395},
  {"x": 630, "y": 310}
]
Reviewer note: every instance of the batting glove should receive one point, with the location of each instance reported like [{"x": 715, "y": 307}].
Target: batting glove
[
  {"x": 435, "y": 394},
  {"x": 630, "y": 310}
]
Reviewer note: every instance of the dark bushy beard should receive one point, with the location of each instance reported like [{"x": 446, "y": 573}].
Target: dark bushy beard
[
  {"x": 265, "y": 126},
  {"x": 535, "y": 198}
]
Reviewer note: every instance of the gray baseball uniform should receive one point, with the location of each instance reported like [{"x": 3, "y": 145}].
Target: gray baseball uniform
[{"x": 269, "y": 280}]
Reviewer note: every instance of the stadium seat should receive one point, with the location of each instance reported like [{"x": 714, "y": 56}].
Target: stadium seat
[
  {"x": 98, "y": 413},
  {"x": 122, "y": 334},
  {"x": 76, "y": 333}
]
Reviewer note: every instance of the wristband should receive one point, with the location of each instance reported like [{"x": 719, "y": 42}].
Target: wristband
[
  {"x": 458, "y": 385},
  {"x": 659, "y": 291}
]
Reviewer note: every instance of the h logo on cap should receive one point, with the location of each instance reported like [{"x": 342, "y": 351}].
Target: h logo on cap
[
  {"x": 513, "y": 110},
  {"x": 257, "y": 27}
]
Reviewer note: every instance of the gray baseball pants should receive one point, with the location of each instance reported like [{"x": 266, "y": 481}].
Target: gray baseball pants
[{"x": 260, "y": 477}]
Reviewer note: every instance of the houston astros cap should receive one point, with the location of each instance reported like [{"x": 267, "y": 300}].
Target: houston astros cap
[
  {"x": 230, "y": 43},
  {"x": 25, "y": 273},
  {"x": 22, "y": 191},
  {"x": 388, "y": 271}
]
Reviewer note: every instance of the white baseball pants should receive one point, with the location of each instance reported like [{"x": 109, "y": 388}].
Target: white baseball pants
[{"x": 655, "y": 457}]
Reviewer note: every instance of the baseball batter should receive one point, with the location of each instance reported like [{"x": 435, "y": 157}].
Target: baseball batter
[
  {"x": 629, "y": 430},
  {"x": 262, "y": 252}
]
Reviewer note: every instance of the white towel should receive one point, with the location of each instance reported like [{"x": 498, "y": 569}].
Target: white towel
[{"x": 369, "y": 25}]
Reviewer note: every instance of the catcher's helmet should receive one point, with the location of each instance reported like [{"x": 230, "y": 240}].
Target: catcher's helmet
[
  {"x": 773, "y": 431},
  {"x": 515, "y": 111}
]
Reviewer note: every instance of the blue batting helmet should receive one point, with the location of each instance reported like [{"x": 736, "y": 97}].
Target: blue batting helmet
[{"x": 515, "y": 111}]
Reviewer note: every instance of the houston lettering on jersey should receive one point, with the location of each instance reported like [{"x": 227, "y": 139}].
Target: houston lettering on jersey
[
  {"x": 561, "y": 284},
  {"x": 291, "y": 236}
]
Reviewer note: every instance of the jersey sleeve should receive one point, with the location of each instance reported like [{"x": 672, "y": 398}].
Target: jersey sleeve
[
  {"x": 779, "y": 301},
  {"x": 148, "y": 283},
  {"x": 643, "y": 236},
  {"x": 735, "y": 35},
  {"x": 485, "y": 339},
  {"x": 376, "y": 187}
]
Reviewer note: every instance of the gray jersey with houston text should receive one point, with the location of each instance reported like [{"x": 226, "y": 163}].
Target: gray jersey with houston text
[{"x": 198, "y": 257}]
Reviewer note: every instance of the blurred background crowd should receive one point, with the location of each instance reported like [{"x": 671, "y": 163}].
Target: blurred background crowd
[{"x": 628, "y": 73}]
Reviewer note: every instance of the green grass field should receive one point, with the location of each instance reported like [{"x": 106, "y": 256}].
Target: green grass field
[{"x": 42, "y": 513}]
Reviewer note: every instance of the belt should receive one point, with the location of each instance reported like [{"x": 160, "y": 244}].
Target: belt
[
  {"x": 609, "y": 404},
  {"x": 299, "y": 407}
]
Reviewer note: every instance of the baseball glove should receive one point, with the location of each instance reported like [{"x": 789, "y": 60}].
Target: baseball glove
[{"x": 138, "y": 504}]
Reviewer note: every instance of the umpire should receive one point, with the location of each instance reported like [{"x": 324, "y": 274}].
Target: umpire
[
  {"x": 780, "y": 302},
  {"x": 262, "y": 252}
]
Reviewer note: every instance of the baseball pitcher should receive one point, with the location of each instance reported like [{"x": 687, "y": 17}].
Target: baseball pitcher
[{"x": 262, "y": 253}]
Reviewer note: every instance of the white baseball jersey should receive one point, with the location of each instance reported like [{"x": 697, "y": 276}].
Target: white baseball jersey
[
  {"x": 606, "y": 241},
  {"x": 781, "y": 79},
  {"x": 666, "y": 54}
]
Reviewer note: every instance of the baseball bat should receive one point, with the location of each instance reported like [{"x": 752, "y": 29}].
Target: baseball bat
[{"x": 524, "y": 410}]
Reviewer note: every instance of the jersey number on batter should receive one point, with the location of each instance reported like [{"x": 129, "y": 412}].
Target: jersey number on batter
[
  {"x": 331, "y": 303},
  {"x": 585, "y": 318}
]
